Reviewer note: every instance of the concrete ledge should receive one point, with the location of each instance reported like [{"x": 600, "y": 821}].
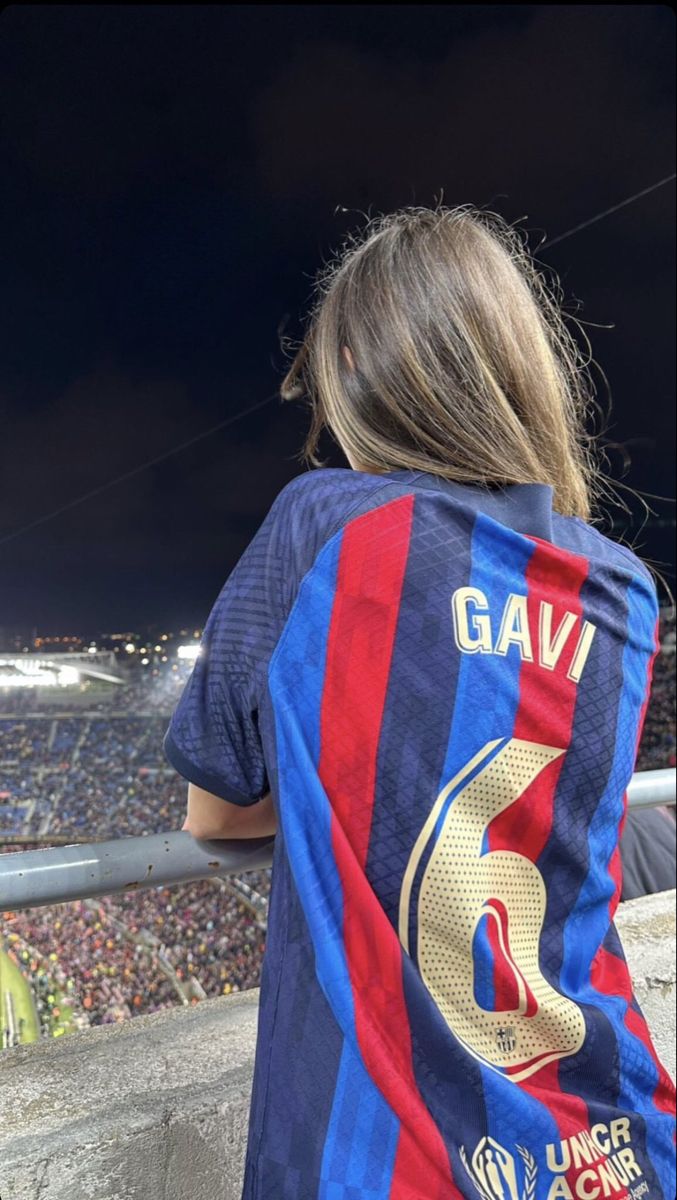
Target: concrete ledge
[
  {"x": 646, "y": 928},
  {"x": 153, "y": 1109},
  {"x": 157, "y": 1108}
]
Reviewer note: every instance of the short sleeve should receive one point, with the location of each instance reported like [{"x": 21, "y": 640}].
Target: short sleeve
[{"x": 213, "y": 739}]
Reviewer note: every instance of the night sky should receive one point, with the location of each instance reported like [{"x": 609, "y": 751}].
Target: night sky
[{"x": 172, "y": 179}]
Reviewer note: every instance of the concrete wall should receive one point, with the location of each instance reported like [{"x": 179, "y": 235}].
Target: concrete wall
[{"x": 157, "y": 1108}]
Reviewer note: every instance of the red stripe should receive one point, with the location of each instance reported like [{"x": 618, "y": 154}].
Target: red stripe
[
  {"x": 506, "y": 969},
  {"x": 371, "y": 571},
  {"x": 615, "y": 866},
  {"x": 610, "y": 974},
  {"x": 547, "y": 698},
  {"x": 545, "y": 714}
]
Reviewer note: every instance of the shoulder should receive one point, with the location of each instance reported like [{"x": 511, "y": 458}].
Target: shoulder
[
  {"x": 593, "y": 544},
  {"x": 333, "y": 488},
  {"x": 624, "y": 558},
  {"x": 303, "y": 518},
  {"x": 317, "y": 504}
]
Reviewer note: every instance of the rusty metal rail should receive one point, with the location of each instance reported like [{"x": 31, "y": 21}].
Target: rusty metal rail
[{"x": 31, "y": 878}]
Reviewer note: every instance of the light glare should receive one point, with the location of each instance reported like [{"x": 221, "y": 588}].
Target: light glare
[{"x": 189, "y": 652}]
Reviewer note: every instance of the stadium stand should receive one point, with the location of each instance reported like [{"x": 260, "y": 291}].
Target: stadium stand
[{"x": 96, "y": 772}]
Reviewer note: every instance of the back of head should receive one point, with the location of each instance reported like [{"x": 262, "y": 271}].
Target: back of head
[{"x": 434, "y": 344}]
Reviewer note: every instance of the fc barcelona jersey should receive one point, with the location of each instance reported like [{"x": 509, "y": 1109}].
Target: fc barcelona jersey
[{"x": 443, "y": 688}]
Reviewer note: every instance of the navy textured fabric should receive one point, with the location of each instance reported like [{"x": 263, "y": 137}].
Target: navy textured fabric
[{"x": 443, "y": 688}]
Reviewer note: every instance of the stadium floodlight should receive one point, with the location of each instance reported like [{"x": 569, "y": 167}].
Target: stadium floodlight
[
  {"x": 22, "y": 672},
  {"x": 68, "y": 676},
  {"x": 30, "y": 680},
  {"x": 189, "y": 652}
]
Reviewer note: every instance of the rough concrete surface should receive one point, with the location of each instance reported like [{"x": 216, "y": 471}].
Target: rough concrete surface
[
  {"x": 646, "y": 928},
  {"x": 153, "y": 1109},
  {"x": 157, "y": 1108}
]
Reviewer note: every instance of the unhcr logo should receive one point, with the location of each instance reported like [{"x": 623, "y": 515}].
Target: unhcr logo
[{"x": 494, "y": 1174}]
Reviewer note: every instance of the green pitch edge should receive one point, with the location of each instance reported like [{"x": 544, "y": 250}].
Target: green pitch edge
[{"x": 13, "y": 983}]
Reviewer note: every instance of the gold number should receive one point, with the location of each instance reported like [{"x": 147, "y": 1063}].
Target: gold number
[{"x": 459, "y": 887}]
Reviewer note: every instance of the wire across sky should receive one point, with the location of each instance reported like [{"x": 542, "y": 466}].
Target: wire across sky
[{"x": 245, "y": 412}]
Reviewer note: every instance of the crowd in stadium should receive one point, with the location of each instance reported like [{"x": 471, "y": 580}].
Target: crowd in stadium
[
  {"x": 657, "y": 748},
  {"x": 120, "y": 956},
  {"x": 85, "y": 776}
]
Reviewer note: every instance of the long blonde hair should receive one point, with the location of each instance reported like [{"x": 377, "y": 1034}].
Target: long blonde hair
[{"x": 459, "y": 361}]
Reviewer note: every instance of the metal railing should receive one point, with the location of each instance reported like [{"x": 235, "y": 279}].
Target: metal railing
[{"x": 31, "y": 878}]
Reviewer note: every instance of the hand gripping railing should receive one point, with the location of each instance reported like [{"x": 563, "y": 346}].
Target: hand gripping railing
[{"x": 30, "y": 878}]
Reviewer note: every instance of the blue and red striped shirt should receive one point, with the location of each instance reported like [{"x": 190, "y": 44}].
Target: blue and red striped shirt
[{"x": 443, "y": 687}]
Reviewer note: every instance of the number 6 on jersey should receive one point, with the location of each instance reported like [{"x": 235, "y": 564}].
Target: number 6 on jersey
[{"x": 498, "y": 896}]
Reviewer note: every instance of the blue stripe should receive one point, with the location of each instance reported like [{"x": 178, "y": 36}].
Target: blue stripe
[
  {"x": 465, "y": 782},
  {"x": 296, "y": 678},
  {"x": 564, "y": 861},
  {"x": 412, "y": 745},
  {"x": 487, "y": 701},
  {"x": 483, "y": 966},
  {"x": 588, "y": 922},
  {"x": 483, "y": 957}
]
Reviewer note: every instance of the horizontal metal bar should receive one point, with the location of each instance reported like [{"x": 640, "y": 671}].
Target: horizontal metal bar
[
  {"x": 650, "y": 788},
  {"x": 31, "y": 878}
]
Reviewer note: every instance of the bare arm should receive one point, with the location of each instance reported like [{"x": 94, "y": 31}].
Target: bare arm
[{"x": 209, "y": 816}]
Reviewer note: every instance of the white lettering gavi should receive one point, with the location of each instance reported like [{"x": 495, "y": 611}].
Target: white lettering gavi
[{"x": 544, "y": 641}]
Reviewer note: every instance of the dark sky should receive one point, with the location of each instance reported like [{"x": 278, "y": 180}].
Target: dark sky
[{"x": 170, "y": 177}]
